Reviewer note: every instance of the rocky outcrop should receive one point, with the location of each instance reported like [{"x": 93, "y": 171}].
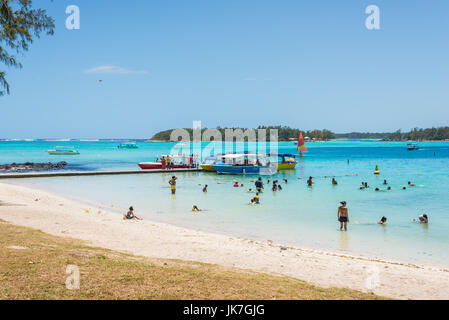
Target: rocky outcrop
[{"x": 31, "y": 166}]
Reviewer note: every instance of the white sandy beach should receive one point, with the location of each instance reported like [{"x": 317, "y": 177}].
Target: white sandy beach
[{"x": 62, "y": 217}]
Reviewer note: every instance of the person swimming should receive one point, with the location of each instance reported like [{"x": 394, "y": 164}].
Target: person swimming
[
  {"x": 404, "y": 188},
  {"x": 279, "y": 187},
  {"x": 256, "y": 199},
  {"x": 388, "y": 188},
  {"x": 250, "y": 190},
  {"x": 410, "y": 184},
  {"x": 196, "y": 209},
  {"x": 285, "y": 181},
  {"x": 385, "y": 182},
  {"x": 274, "y": 188},
  {"x": 205, "y": 188},
  {"x": 383, "y": 220},
  {"x": 377, "y": 189},
  {"x": 236, "y": 184},
  {"x": 130, "y": 215},
  {"x": 422, "y": 219},
  {"x": 334, "y": 182}
]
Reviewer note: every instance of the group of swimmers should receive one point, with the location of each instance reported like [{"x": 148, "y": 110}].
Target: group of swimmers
[
  {"x": 365, "y": 185},
  {"x": 343, "y": 217},
  {"x": 260, "y": 187}
]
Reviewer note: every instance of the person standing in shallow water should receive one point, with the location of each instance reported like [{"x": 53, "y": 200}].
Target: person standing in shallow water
[
  {"x": 342, "y": 215},
  {"x": 172, "y": 184}
]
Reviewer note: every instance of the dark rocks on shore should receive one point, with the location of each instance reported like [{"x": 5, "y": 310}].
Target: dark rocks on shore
[{"x": 31, "y": 166}]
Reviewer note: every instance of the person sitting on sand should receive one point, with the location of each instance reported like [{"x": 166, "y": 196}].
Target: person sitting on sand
[
  {"x": 383, "y": 220},
  {"x": 130, "y": 215},
  {"x": 334, "y": 182},
  {"x": 385, "y": 182},
  {"x": 342, "y": 215},
  {"x": 410, "y": 184},
  {"x": 422, "y": 219},
  {"x": 205, "y": 188}
]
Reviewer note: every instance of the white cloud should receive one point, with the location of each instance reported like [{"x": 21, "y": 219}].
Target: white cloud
[{"x": 109, "y": 69}]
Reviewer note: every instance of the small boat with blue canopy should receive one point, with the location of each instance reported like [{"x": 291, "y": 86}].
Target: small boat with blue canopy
[
  {"x": 242, "y": 163},
  {"x": 209, "y": 161}
]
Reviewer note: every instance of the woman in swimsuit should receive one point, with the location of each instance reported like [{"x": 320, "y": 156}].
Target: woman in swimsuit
[{"x": 342, "y": 215}]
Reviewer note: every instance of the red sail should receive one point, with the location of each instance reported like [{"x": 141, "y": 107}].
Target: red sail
[{"x": 301, "y": 144}]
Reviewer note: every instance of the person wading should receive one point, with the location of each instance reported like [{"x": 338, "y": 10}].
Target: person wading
[
  {"x": 172, "y": 184},
  {"x": 342, "y": 215}
]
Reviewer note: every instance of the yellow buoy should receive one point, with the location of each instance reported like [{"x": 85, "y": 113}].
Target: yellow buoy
[{"x": 376, "y": 171}]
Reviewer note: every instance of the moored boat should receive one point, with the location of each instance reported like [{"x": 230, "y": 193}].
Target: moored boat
[
  {"x": 245, "y": 164},
  {"x": 60, "y": 151},
  {"x": 175, "y": 162},
  {"x": 209, "y": 161},
  {"x": 131, "y": 145},
  {"x": 287, "y": 161}
]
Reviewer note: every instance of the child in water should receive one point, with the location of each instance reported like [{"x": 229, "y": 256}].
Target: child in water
[
  {"x": 422, "y": 219},
  {"x": 383, "y": 220},
  {"x": 256, "y": 198},
  {"x": 195, "y": 209}
]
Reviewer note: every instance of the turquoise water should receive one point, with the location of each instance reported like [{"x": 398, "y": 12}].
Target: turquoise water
[{"x": 297, "y": 215}]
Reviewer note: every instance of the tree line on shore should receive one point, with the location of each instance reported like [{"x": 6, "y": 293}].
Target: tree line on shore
[
  {"x": 418, "y": 134},
  {"x": 286, "y": 133}
]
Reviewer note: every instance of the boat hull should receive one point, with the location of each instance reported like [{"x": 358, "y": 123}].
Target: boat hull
[
  {"x": 158, "y": 165},
  {"x": 207, "y": 167},
  {"x": 62, "y": 153},
  {"x": 286, "y": 166},
  {"x": 232, "y": 169}
]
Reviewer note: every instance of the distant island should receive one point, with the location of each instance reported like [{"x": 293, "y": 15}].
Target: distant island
[{"x": 286, "y": 133}]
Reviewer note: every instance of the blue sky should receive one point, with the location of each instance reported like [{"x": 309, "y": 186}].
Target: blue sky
[{"x": 163, "y": 64}]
